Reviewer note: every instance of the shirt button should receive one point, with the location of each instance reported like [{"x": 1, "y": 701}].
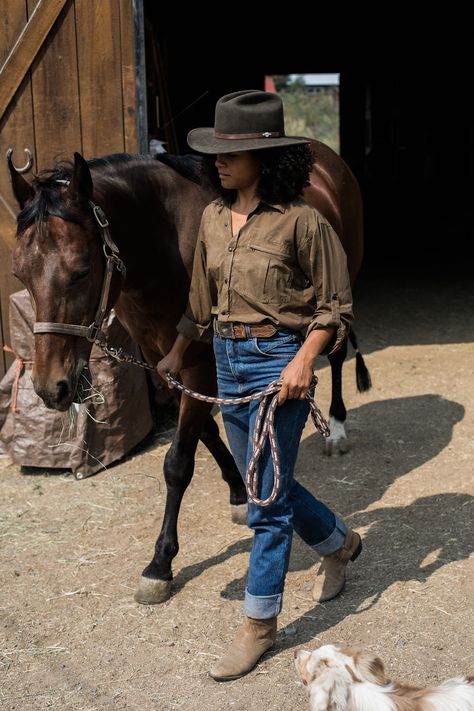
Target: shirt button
[
  {"x": 224, "y": 312},
  {"x": 231, "y": 249},
  {"x": 226, "y": 281}
]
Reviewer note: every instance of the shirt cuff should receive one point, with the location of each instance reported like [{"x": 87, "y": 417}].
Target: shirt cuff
[
  {"x": 338, "y": 338},
  {"x": 194, "y": 331}
]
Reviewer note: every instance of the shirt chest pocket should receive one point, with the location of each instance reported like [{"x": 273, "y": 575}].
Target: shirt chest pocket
[{"x": 268, "y": 273}]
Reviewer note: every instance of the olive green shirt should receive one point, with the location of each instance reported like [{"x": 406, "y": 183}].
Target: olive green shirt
[{"x": 286, "y": 266}]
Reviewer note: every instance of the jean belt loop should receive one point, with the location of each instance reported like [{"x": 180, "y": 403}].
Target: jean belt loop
[{"x": 247, "y": 330}]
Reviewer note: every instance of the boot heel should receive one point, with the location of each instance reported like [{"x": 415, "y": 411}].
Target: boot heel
[{"x": 357, "y": 551}]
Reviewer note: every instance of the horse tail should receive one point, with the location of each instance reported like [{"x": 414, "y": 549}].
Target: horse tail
[{"x": 363, "y": 379}]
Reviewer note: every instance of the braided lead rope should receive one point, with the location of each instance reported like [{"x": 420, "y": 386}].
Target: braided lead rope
[
  {"x": 264, "y": 427},
  {"x": 261, "y": 430}
]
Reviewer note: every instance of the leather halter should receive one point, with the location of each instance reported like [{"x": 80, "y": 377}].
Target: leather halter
[{"x": 93, "y": 332}]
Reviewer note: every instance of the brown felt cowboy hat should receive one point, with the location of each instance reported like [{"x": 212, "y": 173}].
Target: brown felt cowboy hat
[{"x": 244, "y": 121}]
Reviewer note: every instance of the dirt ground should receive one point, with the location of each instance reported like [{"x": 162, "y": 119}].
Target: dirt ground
[{"x": 72, "y": 636}]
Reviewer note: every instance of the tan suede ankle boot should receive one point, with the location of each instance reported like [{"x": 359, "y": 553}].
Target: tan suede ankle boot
[
  {"x": 253, "y": 639},
  {"x": 331, "y": 574}
]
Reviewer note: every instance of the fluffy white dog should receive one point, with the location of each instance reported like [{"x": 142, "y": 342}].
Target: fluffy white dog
[{"x": 345, "y": 679}]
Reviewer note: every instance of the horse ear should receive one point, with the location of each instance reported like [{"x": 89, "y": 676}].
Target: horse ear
[
  {"x": 22, "y": 190},
  {"x": 80, "y": 186}
]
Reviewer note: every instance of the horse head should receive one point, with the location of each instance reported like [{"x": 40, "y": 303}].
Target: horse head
[{"x": 64, "y": 259}]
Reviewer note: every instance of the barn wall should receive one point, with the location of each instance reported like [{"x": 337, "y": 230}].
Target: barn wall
[{"x": 79, "y": 94}]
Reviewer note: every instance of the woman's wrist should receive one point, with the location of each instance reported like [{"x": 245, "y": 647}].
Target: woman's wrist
[
  {"x": 315, "y": 343},
  {"x": 180, "y": 345}
]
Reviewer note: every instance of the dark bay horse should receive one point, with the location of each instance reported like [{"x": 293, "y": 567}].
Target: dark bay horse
[{"x": 153, "y": 208}]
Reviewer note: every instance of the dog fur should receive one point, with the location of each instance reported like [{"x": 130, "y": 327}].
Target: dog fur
[{"x": 345, "y": 679}]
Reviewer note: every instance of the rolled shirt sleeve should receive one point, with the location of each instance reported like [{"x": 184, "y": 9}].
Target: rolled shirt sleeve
[
  {"x": 325, "y": 264},
  {"x": 196, "y": 322}
]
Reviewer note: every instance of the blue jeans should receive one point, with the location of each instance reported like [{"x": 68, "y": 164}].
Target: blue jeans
[{"x": 245, "y": 366}]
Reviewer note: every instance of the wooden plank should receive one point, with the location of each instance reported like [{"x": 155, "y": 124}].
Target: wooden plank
[
  {"x": 12, "y": 21},
  {"x": 100, "y": 77},
  {"x": 56, "y": 95},
  {"x": 129, "y": 76},
  {"x": 17, "y": 133},
  {"x": 7, "y": 223},
  {"x": 26, "y": 48}
]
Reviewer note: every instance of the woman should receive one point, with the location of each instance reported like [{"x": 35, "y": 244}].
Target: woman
[{"x": 270, "y": 287}]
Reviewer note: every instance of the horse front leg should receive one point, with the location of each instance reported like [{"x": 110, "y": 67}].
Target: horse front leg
[
  {"x": 210, "y": 437},
  {"x": 337, "y": 441},
  {"x": 178, "y": 469}
]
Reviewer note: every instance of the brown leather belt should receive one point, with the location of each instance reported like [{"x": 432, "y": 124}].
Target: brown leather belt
[{"x": 233, "y": 329}]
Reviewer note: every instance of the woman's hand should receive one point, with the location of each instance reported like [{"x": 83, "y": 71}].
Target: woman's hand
[
  {"x": 296, "y": 379},
  {"x": 298, "y": 373},
  {"x": 173, "y": 362}
]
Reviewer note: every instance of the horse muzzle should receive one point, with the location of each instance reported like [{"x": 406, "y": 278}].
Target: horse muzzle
[{"x": 59, "y": 393}]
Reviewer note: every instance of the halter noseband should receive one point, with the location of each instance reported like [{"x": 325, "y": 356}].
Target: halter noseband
[{"x": 93, "y": 332}]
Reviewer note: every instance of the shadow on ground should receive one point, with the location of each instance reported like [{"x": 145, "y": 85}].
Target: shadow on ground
[{"x": 393, "y": 437}]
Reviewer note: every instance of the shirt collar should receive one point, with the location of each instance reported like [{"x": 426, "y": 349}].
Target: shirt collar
[{"x": 221, "y": 203}]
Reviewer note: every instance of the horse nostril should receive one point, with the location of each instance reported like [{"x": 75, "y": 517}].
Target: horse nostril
[{"x": 62, "y": 390}]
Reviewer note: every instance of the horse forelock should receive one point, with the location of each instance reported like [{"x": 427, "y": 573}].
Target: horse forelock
[{"x": 48, "y": 200}]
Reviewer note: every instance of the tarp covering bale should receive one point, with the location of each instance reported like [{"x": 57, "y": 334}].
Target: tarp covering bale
[{"x": 35, "y": 436}]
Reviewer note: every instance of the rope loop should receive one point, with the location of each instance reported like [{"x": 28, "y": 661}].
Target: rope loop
[{"x": 264, "y": 427}]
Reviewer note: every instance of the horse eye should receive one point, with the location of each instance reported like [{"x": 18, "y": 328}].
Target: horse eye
[{"x": 77, "y": 276}]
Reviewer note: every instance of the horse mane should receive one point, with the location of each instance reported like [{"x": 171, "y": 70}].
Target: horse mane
[
  {"x": 47, "y": 199},
  {"x": 189, "y": 166}
]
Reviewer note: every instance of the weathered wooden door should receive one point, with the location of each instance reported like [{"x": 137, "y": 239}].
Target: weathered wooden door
[{"x": 67, "y": 83}]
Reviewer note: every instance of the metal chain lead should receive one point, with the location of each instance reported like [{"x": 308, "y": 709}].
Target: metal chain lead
[{"x": 264, "y": 425}]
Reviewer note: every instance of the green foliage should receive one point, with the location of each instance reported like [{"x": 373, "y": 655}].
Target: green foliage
[
  {"x": 313, "y": 115},
  {"x": 281, "y": 81},
  {"x": 296, "y": 85}
]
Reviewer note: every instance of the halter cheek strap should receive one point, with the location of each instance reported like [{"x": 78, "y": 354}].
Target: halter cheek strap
[{"x": 93, "y": 332}]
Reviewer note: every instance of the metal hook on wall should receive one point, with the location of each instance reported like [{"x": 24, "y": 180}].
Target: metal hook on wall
[{"x": 29, "y": 160}]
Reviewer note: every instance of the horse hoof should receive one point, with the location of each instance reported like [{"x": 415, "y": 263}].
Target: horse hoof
[
  {"x": 336, "y": 446},
  {"x": 238, "y": 513},
  {"x": 152, "y": 592},
  {"x": 337, "y": 442}
]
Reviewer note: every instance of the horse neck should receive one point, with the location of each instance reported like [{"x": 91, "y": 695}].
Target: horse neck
[
  {"x": 154, "y": 216},
  {"x": 150, "y": 209}
]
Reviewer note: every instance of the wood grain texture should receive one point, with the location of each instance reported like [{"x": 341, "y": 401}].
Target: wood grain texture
[
  {"x": 100, "y": 77},
  {"x": 17, "y": 133},
  {"x": 129, "y": 76},
  {"x": 55, "y": 92},
  {"x": 26, "y": 47}
]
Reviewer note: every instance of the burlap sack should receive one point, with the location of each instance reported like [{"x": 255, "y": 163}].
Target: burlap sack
[{"x": 35, "y": 436}]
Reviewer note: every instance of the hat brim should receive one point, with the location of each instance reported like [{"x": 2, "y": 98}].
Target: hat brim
[{"x": 203, "y": 140}]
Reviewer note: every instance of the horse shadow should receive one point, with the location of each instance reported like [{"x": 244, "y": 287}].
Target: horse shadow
[{"x": 394, "y": 437}]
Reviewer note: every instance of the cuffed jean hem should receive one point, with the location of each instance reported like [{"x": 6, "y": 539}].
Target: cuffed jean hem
[
  {"x": 334, "y": 541},
  {"x": 262, "y": 607}
]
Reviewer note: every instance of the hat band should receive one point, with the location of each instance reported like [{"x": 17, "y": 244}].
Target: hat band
[{"x": 264, "y": 134}]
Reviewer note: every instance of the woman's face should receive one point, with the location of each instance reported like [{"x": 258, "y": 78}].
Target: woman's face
[{"x": 238, "y": 171}]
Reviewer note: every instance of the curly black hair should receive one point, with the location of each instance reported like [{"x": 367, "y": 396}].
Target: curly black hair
[{"x": 285, "y": 172}]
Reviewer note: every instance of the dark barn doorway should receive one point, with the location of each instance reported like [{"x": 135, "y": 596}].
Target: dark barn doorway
[{"x": 406, "y": 131}]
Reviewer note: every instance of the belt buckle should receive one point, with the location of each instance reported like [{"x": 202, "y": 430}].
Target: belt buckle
[{"x": 226, "y": 329}]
